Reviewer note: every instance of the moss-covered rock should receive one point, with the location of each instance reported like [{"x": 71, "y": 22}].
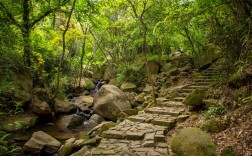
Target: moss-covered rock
[
  {"x": 211, "y": 54},
  {"x": 12, "y": 124},
  {"x": 240, "y": 77},
  {"x": 228, "y": 151},
  {"x": 195, "y": 98},
  {"x": 66, "y": 149},
  {"x": 127, "y": 87},
  {"x": 193, "y": 142},
  {"x": 213, "y": 126}
]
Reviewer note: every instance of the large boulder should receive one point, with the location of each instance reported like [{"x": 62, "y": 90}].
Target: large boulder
[
  {"x": 109, "y": 101},
  {"x": 61, "y": 106},
  {"x": 195, "y": 98},
  {"x": 69, "y": 121},
  {"x": 41, "y": 142},
  {"x": 12, "y": 124},
  {"x": 210, "y": 54},
  {"x": 127, "y": 87},
  {"x": 40, "y": 108},
  {"x": 193, "y": 142}
]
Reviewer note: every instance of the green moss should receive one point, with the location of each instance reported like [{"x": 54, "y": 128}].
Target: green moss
[
  {"x": 89, "y": 84},
  {"x": 66, "y": 149},
  {"x": 195, "y": 98},
  {"x": 3, "y": 150},
  {"x": 193, "y": 142},
  {"x": 213, "y": 126}
]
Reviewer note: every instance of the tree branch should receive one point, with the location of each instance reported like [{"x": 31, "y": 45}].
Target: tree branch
[
  {"x": 9, "y": 17},
  {"x": 47, "y": 13}
]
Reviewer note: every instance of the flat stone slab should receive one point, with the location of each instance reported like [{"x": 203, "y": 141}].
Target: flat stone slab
[
  {"x": 130, "y": 130},
  {"x": 156, "y": 119},
  {"x": 165, "y": 111},
  {"x": 177, "y": 104},
  {"x": 115, "y": 147}
]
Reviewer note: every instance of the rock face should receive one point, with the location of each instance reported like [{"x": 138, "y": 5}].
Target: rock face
[
  {"x": 109, "y": 101},
  {"x": 61, "y": 106},
  {"x": 193, "y": 141},
  {"x": 69, "y": 121},
  {"x": 127, "y": 87},
  {"x": 40, "y": 108},
  {"x": 195, "y": 98},
  {"x": 210, "y": 55},
  {"x": 12, "y": 124},
  {"x": 41, "y": 141}
]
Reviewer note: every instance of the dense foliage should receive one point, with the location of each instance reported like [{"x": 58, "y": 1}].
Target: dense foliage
[{"x": 36, "y": 39}]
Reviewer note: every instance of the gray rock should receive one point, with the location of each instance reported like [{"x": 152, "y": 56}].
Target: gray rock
[
  {"x": 109, "y": 101},
  {"x": 40, "y": 108},
  {"x": 61, "y": 106},
  {"x": 69, "y": 121},
  {"x": 41, "y": 141},
  {"x": 94, "y": 121}
]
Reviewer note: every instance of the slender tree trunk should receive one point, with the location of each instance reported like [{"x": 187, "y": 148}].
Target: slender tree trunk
[
  {"x": 63, "y": 51},
  {"x": 144, "y": 51},
  {"x": 83, "y": 52},
  {"x": 26, "y": 33}
]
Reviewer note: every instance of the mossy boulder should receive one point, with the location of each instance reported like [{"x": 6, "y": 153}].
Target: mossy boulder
[
  {"x": 210, "y": 54},
  {"x": 195, "y": 98},
  {"x": 213, "y": 126},
  {"x": 240, "y": 77},
  {"x": 13, "y": 124},
  {"x": 127, "y": 87},
  {"x": 193, "y": 142}
]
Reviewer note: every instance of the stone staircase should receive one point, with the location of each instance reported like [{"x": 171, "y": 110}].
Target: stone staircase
[{"x": 145, "y": 134}]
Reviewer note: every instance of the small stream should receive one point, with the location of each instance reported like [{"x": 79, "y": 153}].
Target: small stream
[{"x": 56, "y": 131}]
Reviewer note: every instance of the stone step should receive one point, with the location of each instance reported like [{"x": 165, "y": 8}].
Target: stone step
[
  {"x": 186, "y": 90},
  {"x": 130, "y": 130},
  {"x": 165, "y": 111},
  {"x": 156, "y": 119},
  {"x": 118, "y": 147},
  {"x": 201, "y": 83},
  {"x": 183, "y": 94},
  {"x": 176, "y": 104},
  {"x": 196, "y": 87},
  {"x": 179, "y": 99},
  {"x": 203, "y": 80}
]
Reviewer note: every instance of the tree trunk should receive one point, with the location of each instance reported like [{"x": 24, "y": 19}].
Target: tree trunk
[
  {"x": 83, "y": 52},
  {"x": 144, "y": 45},
  {"x": 26, "y": 33},
  {"x": 63, "y": 51}
]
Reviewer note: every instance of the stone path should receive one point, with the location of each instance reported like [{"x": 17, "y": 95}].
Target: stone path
[{"x": 145, "y": 134}]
